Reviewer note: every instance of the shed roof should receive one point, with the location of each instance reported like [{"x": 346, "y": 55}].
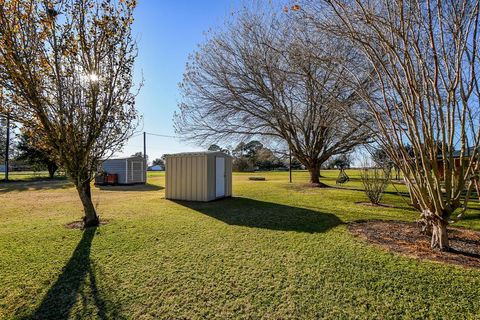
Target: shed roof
[
  {"x": 198, "y": 153},
  {"x": 456, "y": 153},
  {"x": 126, "y": 158}
]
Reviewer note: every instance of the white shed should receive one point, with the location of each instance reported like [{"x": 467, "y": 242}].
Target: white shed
[
  {"x": 132, "y": 170},
  {"x": 198, "y": 176}
]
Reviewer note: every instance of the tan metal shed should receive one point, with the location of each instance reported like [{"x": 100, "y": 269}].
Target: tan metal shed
[{"x": 198, "y": 176}]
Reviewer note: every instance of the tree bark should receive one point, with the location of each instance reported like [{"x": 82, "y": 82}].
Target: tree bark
[
  {"x": 90, "y": 219},
  {"x": 439, "y": 235},
  {"x": 314, "y": 174}
]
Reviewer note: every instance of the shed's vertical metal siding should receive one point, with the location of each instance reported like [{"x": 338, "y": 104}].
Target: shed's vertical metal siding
[
  {"x": 177, "y": 177},
  {"x": 210, "y": 177},
  {"x": 204, "y": 176},
  {"x": 200, "y": 181},
  {"x": 192, "y": 177},
  {"x": 228, "y": 178},
  {"x": 135, "y": 170},
  {"x": 183, "y": 172},
  {"x": 167, "y": 182},
  {"x": 115, "y": 166}
]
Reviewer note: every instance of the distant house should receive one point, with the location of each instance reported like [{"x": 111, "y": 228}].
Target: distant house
[
  {"x": 156, "y": 168},
  {"x": 456, "y": 159},
  {"x": 2, "y": 168}
]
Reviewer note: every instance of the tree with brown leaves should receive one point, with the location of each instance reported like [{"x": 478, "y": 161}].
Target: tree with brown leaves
[{"x": 67, "y": 66}]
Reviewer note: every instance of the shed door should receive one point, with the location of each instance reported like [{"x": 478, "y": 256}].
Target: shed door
[
  {"x": 219, "y": 177},
  {"x": 136, "y": 173}
]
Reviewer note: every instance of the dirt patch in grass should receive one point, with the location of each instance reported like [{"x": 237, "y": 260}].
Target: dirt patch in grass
[
  {"x": 257, "y": 178},
  {"x": 79, "y": 224},
  {"x": 405, "y": 238}
]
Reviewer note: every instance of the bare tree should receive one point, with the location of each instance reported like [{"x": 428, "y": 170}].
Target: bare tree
[
  {"x": 375, "y": 181},
  {"x": 68, "y": 67},
  {"x": 426, "y": 59},
  {"x": 264, "y": 75}
]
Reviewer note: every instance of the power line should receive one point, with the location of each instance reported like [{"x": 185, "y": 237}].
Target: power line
[
  {"x": 160, "y": 135},
  {"x": 136, "y": 135}
]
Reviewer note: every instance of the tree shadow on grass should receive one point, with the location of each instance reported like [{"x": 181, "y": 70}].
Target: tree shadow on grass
[
  {"x": 266, "y": 215},
  {"x": 133, "y": 187},
  {"x": 471, "y": 216},
  {"x": 62, "y": 295},
  {"x": 35, "y": 185}
]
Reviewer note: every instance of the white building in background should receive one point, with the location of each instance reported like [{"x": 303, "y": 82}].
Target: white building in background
[{"x": 156, "y": 168}]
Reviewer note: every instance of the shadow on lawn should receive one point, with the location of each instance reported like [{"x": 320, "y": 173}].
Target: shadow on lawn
[
  {"x": 133, "y": 187},
  {"x": 34, "y": 184},
  {"x": 62, "y": 295},
  {"x": 472, "y": 216},
  {"x": 258, "y": 214}
]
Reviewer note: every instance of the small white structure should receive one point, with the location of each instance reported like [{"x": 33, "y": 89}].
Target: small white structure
[
  {"x": 198, "y": 176},
  {"x": 156, "y": 167},
  {"x": 132, "y": 170}
]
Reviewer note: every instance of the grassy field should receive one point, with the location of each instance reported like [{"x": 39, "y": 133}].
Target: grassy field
[
  {"x": 274, "y": 251},
  {"x": 28, "y": 175}
]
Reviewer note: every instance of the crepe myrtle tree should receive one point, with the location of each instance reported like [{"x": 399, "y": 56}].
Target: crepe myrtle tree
[
  {"x": 426, "y": 58},
  {"x": 68, "y": 67},
  {"x": 267, "y": 74}
]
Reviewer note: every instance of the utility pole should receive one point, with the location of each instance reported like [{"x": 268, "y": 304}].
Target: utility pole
[
  {"x": 145, "y": 146},
  {"x": 7, "y": 142},
  {"x": 7, "y": 146},
  {"x": 290, "y": 164},
  {"x": 145, "y": 153}
]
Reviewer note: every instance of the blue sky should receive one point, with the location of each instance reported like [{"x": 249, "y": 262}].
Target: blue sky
[{"x": 167, "y": 32}]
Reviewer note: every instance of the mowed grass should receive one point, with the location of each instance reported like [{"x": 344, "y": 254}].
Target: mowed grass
[
  {"x": 273, "y": 251},
  {"x": 25, "y": 176}
]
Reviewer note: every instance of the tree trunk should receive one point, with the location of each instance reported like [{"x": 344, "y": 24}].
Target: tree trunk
[
  {"x": 314, "y": 174},
  {"x": 477, "y": 187},
  {"x": 90, "y": 219},
  {"x": 52, "y": 168},
  {"x": 414, "y": 201},
  {"x": 439, "y": 235}
]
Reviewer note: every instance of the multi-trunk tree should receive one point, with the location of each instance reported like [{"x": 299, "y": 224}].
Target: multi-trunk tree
[
  {"x": 426, "y": 58},
  {"x": 267, "y": 74},
  {"x": 68, "y": 68}
]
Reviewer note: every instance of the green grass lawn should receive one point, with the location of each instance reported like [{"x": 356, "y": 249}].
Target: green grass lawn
[
  {"x": 274, "y": 251},
  {"x": 15, "y": 176}
]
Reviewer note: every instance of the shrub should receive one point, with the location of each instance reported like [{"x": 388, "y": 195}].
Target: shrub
[{"x": 375, "y": 181}]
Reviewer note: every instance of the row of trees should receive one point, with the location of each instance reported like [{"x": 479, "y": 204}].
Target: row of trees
[
  {"x": 327, "y": 76},
  {"x": 253, "y": 155},
  {"x": 23, "y": 151}
]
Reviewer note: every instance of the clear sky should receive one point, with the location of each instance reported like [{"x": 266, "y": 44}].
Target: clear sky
[{"x": 167, "y": 32}]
